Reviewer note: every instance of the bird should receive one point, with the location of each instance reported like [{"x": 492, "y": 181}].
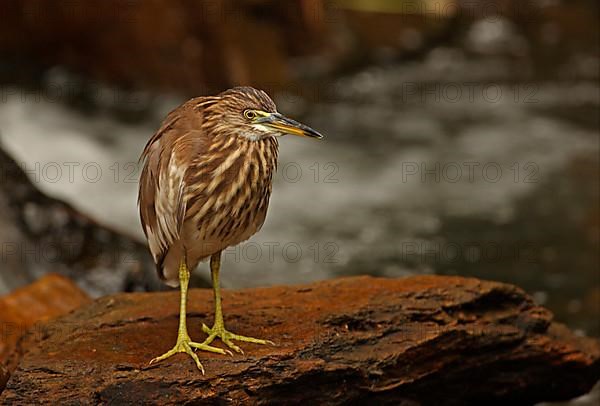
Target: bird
[{"x": 205, "y": 186}]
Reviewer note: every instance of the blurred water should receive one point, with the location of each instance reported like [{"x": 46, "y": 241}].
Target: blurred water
[{"x": 453, "y": 164}]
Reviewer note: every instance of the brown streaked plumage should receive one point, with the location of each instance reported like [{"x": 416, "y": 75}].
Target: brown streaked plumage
[{"x": 205, "y": 186}]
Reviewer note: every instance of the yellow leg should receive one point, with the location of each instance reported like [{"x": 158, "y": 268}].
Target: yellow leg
[
  {"x": 218, "y": 329},
  {"x": 184, "y": 343}
]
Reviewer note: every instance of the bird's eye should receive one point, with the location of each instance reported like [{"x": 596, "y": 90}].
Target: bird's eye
[{"x": 249, "y": 114}]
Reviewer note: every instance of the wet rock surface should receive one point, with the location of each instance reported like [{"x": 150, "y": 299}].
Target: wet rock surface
[{"x": 344, "y": 340}]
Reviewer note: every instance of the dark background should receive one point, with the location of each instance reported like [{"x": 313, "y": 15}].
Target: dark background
[{"x": 461, "y": 138}]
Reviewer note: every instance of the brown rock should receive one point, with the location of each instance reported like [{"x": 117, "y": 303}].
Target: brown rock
[
  {"x": 189, "y": 46},
  {"x": 421, "y": 340},
  {"x": 49, "y": 297}
]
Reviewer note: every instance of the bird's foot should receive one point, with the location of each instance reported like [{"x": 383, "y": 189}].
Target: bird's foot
[
  {"x": 184, "y": 344},
  {"x": 218, "y": 330}
]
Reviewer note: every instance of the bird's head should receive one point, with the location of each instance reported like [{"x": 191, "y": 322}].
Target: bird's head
[{"x": 252, "y": 114}]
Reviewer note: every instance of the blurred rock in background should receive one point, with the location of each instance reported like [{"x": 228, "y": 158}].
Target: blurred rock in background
[
  {"x": 40, "y": 234},
  {"x": 49, "y": 297},
  {"x": 189, "y": 46}
]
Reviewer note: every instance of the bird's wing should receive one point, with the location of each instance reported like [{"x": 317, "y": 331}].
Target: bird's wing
[{"x": 162, "y": 201}]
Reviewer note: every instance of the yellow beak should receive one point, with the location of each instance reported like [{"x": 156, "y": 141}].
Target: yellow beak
[{"x": 286, "y": 125}]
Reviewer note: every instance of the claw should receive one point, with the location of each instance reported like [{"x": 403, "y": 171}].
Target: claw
[
  {"x": 185, "y": 345},
  {"x": 219, "y": 331},
  {"x": 233, "y": 346}
]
